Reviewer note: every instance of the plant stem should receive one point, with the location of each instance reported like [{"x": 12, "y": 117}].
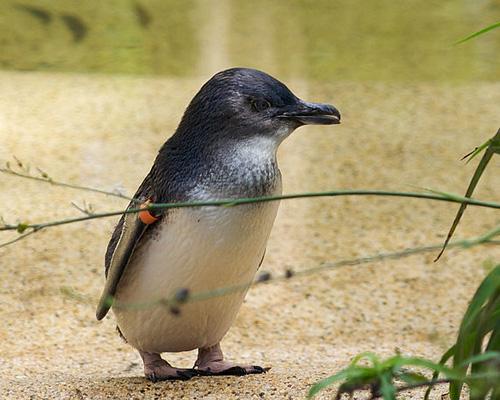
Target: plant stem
[
  {"x": 63, "y": 184},
  {"x": 235, "y": 202},
  {"x": 223, "y": 291}
]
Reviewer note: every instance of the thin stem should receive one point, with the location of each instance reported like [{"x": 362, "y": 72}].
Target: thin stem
[
  {"x": 235, "y": 202},
  {"x": 224, "y": 291},
  {"x": 413, "y": 386},
  {"x": 17, "y": 239},
  {"x": 484, "y": 238},
  {"x": 63, "y": 184}
]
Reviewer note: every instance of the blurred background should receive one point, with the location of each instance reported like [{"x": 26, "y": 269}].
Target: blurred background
[
  {"x": 90, "y": 90},
  {"x": 311, "y": 39}
]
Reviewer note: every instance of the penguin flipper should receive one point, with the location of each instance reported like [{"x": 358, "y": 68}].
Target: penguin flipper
[{"x": 127, "y": 234}]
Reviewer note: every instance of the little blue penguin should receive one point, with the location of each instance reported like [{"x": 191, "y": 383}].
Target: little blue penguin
[{"x": 224, "y": 148}]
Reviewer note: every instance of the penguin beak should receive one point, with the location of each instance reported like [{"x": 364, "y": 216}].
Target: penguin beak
[{"x": 312, "y": 113}]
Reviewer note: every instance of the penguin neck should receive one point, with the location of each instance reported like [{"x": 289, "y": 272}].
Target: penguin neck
[
  {"x": 245, "y": 167},
  {"x": 190, "y": 170},
  {"x": 252, "y": 153}
]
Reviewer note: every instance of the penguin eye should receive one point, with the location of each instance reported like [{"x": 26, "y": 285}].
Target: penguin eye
[{"x": 260, "y": 104}]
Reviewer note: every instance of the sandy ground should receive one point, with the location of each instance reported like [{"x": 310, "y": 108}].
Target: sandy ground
[{"x": 104, "y": 132}]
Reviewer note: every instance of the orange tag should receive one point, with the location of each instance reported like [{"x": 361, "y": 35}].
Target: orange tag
[{"x": 145, "y": 216}]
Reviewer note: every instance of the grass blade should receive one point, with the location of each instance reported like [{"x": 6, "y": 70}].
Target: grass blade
[
  {"x": 492, "y": 148},
  {"x": 478, "y": 33},
  {"x": 476, "y": 151}
]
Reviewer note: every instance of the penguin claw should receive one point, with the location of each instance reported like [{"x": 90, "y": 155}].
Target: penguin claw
[
  {"x": 151, "y": 377},
  {"x": 185, "y": 374}
]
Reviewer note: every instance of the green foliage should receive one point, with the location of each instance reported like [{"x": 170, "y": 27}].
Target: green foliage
[
  {"x": 480, "y": 329},
  {"x": 476, "y": 353},
  {"x": 379, "y": 376},
  {"x": 476, "y": 358}
]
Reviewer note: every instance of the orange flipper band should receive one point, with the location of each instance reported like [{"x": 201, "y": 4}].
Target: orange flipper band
[{"x": 145, "y": 216}]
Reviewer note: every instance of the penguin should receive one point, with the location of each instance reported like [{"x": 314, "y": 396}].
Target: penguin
[{"x": 224, "y": 148}]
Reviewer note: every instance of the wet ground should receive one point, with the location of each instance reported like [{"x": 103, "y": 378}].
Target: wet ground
[{"x": 104, "y": 131}]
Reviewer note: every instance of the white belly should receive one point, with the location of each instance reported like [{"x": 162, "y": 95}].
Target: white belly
[{"x": 199, "y": 249}]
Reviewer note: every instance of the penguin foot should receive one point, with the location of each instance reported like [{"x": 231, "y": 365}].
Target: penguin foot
[
  {"x": 211, "y": 362},
  {"x": 168, "y": 373},
  {"x": 229, "y": 368},
  {"x": 157, "y": 369}
]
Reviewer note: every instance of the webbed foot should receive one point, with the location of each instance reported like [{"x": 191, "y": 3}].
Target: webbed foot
[{"x": 211, "y": 362}]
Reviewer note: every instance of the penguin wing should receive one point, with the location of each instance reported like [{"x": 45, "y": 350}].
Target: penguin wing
[{"x": 125, "y": 238}]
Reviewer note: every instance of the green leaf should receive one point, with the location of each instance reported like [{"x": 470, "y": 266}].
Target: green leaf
[
  {"x": 480, "y": 32},
  {"x": 387, "y": 388},
  {"x": 488, "y": 286},
  {"x": 487, "y": 356},
  {"x": 474, "y": 327},
  {"x": 348, "y": 373},
  {"x": 494, "y": 342}
]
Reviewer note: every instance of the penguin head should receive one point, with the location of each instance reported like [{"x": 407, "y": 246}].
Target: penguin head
[{"x": 240, "y": 102}]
